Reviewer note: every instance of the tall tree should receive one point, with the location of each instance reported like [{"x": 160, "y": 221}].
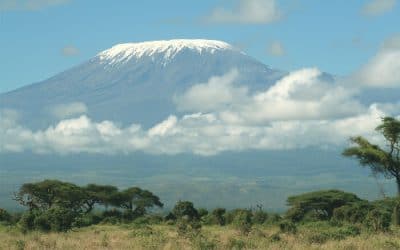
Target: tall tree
[
  {"x": 136, "y": 199},
  {"x": 385, "y": 160}
]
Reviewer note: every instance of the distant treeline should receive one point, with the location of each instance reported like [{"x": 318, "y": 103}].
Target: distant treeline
[{"x": 54, "y": 205}]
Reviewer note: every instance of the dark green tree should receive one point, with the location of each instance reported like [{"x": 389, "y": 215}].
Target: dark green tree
[
  {"x": 384, "y": 161},
  {"x": 99, "y": 194},
  {"x": 185, "y": 209},
  {"x": 136, "y": 200},
  {"x": 45, "y": 194},
  {"x": 319, "y": 204}
]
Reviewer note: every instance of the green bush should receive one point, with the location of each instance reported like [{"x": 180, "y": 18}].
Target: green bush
[
  {"x": 87, "y": 220},
  {"x": 353, "y": 213},
  {"x": 378, "y": 220},
  {"x": 5, "y": 216},
  {"x": 185, "y": 209},
  {"x": 259, "y": 217},
  {"x": 188, "y": 228},
  {"x": 242, "y": 221},
  {"x": 202, "y": 212},
  {"x": 42, "y": 222},
  {"x": 26, "y": 222},
  {"x": 218, "y": 215},
  {"x": 287, "y": 227},
  {"x": 273, "y": 219}
]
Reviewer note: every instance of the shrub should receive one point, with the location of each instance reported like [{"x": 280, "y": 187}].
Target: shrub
[
  {"x": 5, "y": 216},
  {"x": 188, "y": 228},
  {"x": 259, "y": 217},
  {"x": 242, "y": 221},
  {"x": 112, "y": 213},
  {"x": 218, "y": 214},
  {"x": 353, "y": 213},
  {"x": 26, "y": 222},
  {"x": 202, "y": 212},
  {"x": 378, "y": 220},
  {"x": 87, "y": 220},
  {"x": 273, "y": 219},
  {"x": 42, "y": 222},
  {"x": 319, "y": 204},
  {"x": 287, "y": 227},
  {"x": 185, "y": 209}
]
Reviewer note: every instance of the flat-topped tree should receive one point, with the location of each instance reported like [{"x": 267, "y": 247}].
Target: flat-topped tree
[
  {"x": 136, "y": 199},
  {"x": 384, "y": 161}
]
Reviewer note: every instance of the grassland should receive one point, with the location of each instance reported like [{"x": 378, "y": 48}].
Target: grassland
[{"x": 312, "y": 236}]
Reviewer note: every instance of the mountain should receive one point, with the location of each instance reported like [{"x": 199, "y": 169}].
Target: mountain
[{"x": 136, "y": 82}]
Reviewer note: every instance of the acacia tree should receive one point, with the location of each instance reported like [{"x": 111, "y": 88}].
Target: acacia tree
[
  {"x": 136, "y": 200},
  {"x": 384, "y": 161},
  {"x": 99, "y": 194}
]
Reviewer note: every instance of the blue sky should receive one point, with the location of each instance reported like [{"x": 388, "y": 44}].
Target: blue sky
[{"x": 39, "y": 38}]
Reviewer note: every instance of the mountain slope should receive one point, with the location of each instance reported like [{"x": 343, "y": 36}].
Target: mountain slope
[{"x": 136, "y": 82}]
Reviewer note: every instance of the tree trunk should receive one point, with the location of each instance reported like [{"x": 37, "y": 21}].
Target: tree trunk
[{"x": 398, "y": 186}]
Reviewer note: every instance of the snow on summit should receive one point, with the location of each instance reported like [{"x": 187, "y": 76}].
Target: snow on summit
[{"x": 167, "y": 48}]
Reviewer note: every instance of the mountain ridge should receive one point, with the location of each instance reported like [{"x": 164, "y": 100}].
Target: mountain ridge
[{"x": 138, "y": 90}]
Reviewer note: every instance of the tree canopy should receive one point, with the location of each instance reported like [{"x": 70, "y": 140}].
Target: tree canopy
[
  {"x": 319, "y": 203},
  {"x": 385, "y": 160}
]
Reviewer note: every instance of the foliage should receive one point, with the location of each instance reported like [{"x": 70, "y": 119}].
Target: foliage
[
  {"x": 202, "y": 212},
  {"x": 287, "y": 227},
  {"x": 218, "y": 215},
  {"x": 379, "y": 160},
  {"x": 259, "y": 217},
  {"x": 242, "y": 221},
  {"x": 353, "y": 212},
  {"x": 185, "y": 209},
  {"x": 5, "y": 216},
  {"x": 188, "y": 228},
  {"x": 378, "y": 220},
  {"x": 319, "y": 204}
]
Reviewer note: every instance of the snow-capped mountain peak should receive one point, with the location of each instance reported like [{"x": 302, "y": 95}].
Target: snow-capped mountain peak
[{"x": 168, "y": 49}]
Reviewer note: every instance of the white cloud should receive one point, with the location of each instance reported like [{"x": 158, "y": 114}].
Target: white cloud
[
  {"x": 68, "y": 110},
  {"x": 301, "y": 95},
  {"x": 383, "y": 70},
  {"x": 202, "y": 134},
  {"x": 215, "y": 94},
  {"x": 248, "y": 12},
  {"x": 298, "y": 111},
  {"x": 378, "y": 7},
  {"x": 30, "y": 5},
  {"x": 276, "y": 49},
  {"x": 70, "y": 50}
]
